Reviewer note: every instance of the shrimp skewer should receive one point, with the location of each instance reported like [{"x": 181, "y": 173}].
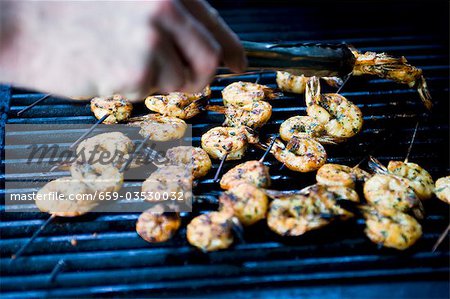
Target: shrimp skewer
[
  {"x": 156, "y": 226},
  {"x": 306, "y": 126},
  {"x": 211, "y": 231},
  {"x": 243, "y": 94},
  {"x": 340, "y": 117},
  {"x": 341, "y": 175},
  {"x": 392, "y": 192},
  {"x": 247, "y": 202},
  {"x": 417, "y": 178},
  {"x": 158, "y": 127},
  {"x": 300, "y": 154},
  {"x": 297, "y": 84},
  {"x": 391, "y": 228},
  {"x": 296, "y": 214},
  {"x": 63, "y": 207},
  {"x": 117, "y": 107},
  {"x": 253, "y": 172},
  {"x": 230, "y": 141},
  {"x": 254, "y": 116},
  {"x": 178, "y": 104},
  {"x": 194, "y": 158}
]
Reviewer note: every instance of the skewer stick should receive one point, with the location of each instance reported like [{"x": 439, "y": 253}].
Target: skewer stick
[
  {"x": 33, "y": 237},
  {"x": 269, "y": 148},
  {"x": 441, "y": 238},
  {"x": 412, "y": 142},
  {"x": 133, "y": 155},
  {"x": 216, "y": 177},
  {"x": 56, "y": 270},
  {"x": 33, "y": 104},
  {"x": 347, "y": 77},
  {"x": 89, "y": 131}
]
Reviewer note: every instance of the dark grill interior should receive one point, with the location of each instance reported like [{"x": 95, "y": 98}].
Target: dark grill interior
[{"x": 110, "y": 259}]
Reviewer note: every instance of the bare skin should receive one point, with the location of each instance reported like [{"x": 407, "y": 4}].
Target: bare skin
[{"x": 170, "y": 45}]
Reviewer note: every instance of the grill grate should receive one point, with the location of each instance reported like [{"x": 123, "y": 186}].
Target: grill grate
[{"x": 111, "y": 259}]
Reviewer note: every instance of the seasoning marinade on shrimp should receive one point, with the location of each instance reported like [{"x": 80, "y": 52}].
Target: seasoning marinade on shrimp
[
  {"x": 157, "y": 226},
  {"x": 159, "y": 127},
  {"x": 253, "y": 172},
  {"x": 297, "y": 84},
  {"x": 442, "y": 189},
  {"x": 300, "y": 154},
  {"x": 306, "y": 126},
  {"x": 247, "y": 202},
  {"x": 178, "y": 104},
  {"x": 392, "y": 192},
  {"x": 254, "y": 116},
  {"x": 195, "y": 158},
  {"x": 243, "y": 94},
  {"x": 390, "y": 227},
  {"x": 341, "y": 118},
  {"x": 231, "y": 142},
  {"x": 116, "y": 106},
  {"x": 340, "y": 175},
  {"x": 211, "y": 231},
  {"x": 296, "y": 214}
]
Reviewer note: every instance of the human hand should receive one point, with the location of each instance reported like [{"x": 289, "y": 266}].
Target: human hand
[{"x": 100, "y": 48}]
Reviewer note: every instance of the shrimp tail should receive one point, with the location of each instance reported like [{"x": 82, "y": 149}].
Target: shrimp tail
[
  {"x": 424, "y": 93},
  {"x": 333, "y": 81},
  {"x": 376, "y": 166}
]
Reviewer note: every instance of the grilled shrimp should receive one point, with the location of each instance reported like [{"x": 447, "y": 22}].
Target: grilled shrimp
[
  {"x": 156, "y": 227},
  {"x": 116, "y": 106},
  {"x": 246, "y": 202},
  {"x": 243, "y": 94},
  {"x": 296, "y": 214},
  {"x": 71, "y": 198},
  {"x": 305, "y": 126},
  {"x": 194, "y": 157},
  {"x": 253, "y": 172},
  {"x": 391, "y": 228},
  {"x": 178, "y": 104},
  {"x": 417, "y": 178},
  {"x": 442, "y": 189},
  {"x": 300, "y": 154},
  {"x": 169, "y": 182},
  {"x": 97, "y": 176},
  {"x": 341, "y": 118},
  {"x": 160, "y": 128},
  {"x": 392, "y": 68},
  {"x": 230, "y": 141},
  {"x": 115, "y": 143},
  {"x": 211, "y": 231},
  {"x": 340, "y": 175},
  {"x": 297, "y": 84},
  {"x": 392, "y": 192},
  {"x": 255, "y": 116}
]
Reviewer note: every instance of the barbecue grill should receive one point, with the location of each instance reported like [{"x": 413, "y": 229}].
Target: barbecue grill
[{"x": 110, "y": 259}]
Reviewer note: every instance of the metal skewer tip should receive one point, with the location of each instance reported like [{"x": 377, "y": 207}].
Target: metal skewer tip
[
  {"x": 30, "y": 240},
  {"x": 216, "y": 177},
  {"x": 441, "y": 238},
  {"x": 133, "y": 155},
  {"x": 347, "y": 77},
  {"x": 33, "y": 104},
  {"x": 411, "y": 143},
  {"x": 269, "y": 148},
  {"x": 56, "y": 270},
  {"x": 102, "y": 119}
]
